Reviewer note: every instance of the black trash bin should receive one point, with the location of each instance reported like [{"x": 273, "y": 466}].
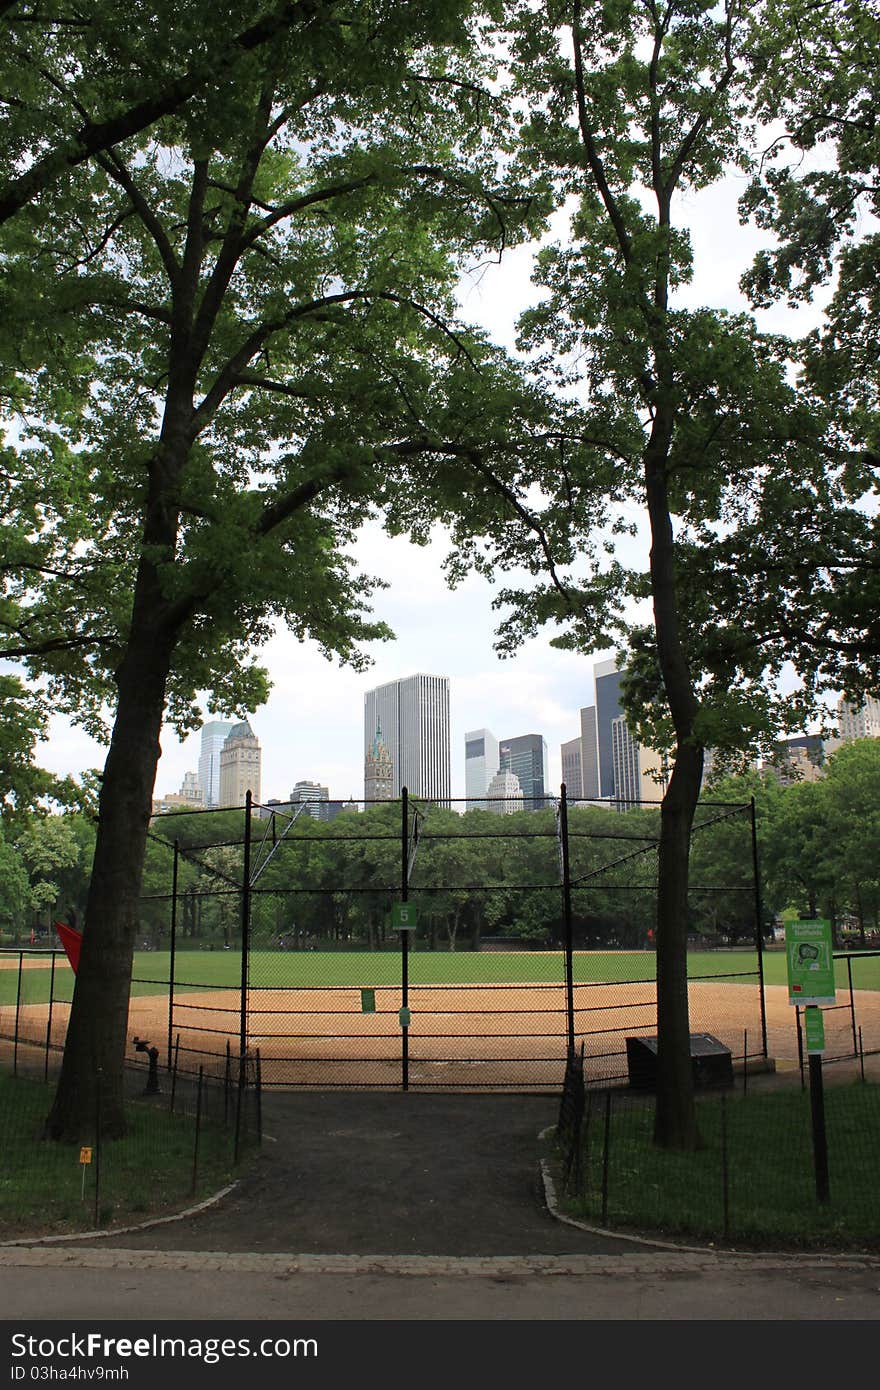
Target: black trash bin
[{"x": 711, "y": 1061}]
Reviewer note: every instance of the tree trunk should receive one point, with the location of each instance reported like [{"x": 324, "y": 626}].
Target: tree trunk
[
  {"x": 96, "y": 1043},
  {"x": 675, "y": 1121}
]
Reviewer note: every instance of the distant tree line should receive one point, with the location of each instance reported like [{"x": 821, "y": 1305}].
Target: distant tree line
[{"x": 481, "y": 875}]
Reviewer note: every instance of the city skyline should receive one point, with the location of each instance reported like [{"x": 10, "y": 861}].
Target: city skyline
[{"x": 640, "y": 770}]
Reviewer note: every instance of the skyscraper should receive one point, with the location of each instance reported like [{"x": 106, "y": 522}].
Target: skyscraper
[
  {"x": 589, "y": 754},
  {"x": 214, "y": 736},
  {"x": 480, "y": 765},
  {"x": 378, "y": 770},
  {"x": 608, "y": 708},
  {"x": 526, "y": 757},
  {"x": 858, "y": 721},
  {"x": 413, "y": 713},
  {"x": 572, "y": 769},
  {"x": 240, "y": 766},
  {"x": 316, "y": 798},
  {"x": 640, "y": 773}
]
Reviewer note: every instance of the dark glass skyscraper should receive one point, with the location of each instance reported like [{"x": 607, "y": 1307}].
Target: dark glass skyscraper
[
  {"x": 526, "y": 758},
  {"x": 608, "y": 708}
]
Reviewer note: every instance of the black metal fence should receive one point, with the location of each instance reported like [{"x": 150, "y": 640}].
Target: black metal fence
[
  {"x": 185, "y": 1137},
  {"x": 528, "y": 935},
  {"x": 754, "y": 1178}
]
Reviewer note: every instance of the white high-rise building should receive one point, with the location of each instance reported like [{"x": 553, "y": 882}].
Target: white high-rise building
[
  {"x": 481, "y": 762},
  {"x": 314, "y": 795},
  {"x": 639, "y": 772},
  {"x": 413, "y": 714},
  {"x": 862, "y": 722},
  {"x": 505, "y": 794},
  {"x": 214, "y": 736}
]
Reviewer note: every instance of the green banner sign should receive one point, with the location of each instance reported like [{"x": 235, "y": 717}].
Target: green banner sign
[
  {"x": 815, "y": 1029},
  {"x": 368, "y": 1001},
  {"x": 404, "y": 917},
  {"x": 809, "y": 956}
]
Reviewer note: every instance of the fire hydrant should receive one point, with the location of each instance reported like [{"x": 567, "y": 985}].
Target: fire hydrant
[{"x": 152, "y": 1086}]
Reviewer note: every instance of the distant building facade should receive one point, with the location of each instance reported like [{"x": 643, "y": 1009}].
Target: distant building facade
[
  {"x": 480, "y": 765},
  {"x": 240, "y": 761},
  {"x": 572, "y": 769},
  {"x": 799, "y": 759},
  {"x": 189, "y": 798},
  {"x": 378, "y": 770},
  {"x": 313, "y": 797},
  {"x": 413, "y": 714},
  {"x": 640, "y": 774},
  {"x": 858, "y": 721},
  {"x": 606, "y": 763},
  {"x": 526, "y": 757},
  {"x": 505, "y": 795},
  {"x": 214, "y": 735}
]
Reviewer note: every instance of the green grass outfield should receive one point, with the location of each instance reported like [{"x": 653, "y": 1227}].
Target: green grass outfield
[{"x": 359, "y": 969}]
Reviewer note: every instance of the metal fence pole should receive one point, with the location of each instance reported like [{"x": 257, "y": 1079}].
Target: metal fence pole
[
  {"x": 820, "y": 1137},
  {"x": 759, "y": 933},
  {"x": 852, "y": 1001},
  {"x": 173, "y": 949},
  {"x": 241, "y": 1085},
  {"x": 861, "y": 1054},
  {"x": 17, "y": 1013},
  {"x": 606, "y": 1154},
  {"x": 195, "y": 1171},
  {"x": 98, "y": 1080},
  {"x": 566, "y": 917},
  {"x": 258, "y": 1086},
  {"x": 725, "y": 1172},
  {"x": 245, "y": 919},
  {"x": 745, "y": 1060},
  {"x": 174, "y": 1073},
  {"x": 404, "y": 935},
  {"x": 49, "y": 1017}
]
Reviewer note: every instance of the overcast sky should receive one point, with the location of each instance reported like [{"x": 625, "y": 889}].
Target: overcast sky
[{"x": 312, "y": 726}]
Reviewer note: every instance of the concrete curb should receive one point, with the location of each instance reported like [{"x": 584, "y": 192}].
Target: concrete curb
[
  {"x": 729, "y": 1254},
  {"x": 122, "y": 1230}
]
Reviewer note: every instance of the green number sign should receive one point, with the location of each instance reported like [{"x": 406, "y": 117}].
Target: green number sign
[
  {"x": 809, "y": 957},
  {"x": 404, "y": 917},
  {"x": 815, "y": 1030}
]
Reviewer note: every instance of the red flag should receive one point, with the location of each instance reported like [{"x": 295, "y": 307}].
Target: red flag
[{"x": 71, "y": 941}]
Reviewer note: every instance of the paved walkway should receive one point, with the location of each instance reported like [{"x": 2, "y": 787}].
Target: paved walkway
[{"x": 385, "y": 1206}]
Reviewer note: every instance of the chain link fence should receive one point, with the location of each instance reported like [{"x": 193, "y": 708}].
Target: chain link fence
[{"x": 275, "y": 932}]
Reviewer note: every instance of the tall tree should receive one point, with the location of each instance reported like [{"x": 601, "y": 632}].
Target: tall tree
[
  {"x": 816, "y": 82},
  {"x": 686, "y": 419},
  {"x": 259, "y": 355},
  {"x": 76, "y": 81}
]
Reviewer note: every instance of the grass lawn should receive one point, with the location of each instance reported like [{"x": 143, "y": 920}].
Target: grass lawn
[
  {"x": 292, "y": 969},
  {"x": 771, "y": 1188},
  {"x": 149, "y": 1172}
]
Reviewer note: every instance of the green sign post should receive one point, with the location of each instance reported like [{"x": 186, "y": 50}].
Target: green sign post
[
  {"x": 815, "y": 1031},
  {"x": 809, "y": 952}
]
